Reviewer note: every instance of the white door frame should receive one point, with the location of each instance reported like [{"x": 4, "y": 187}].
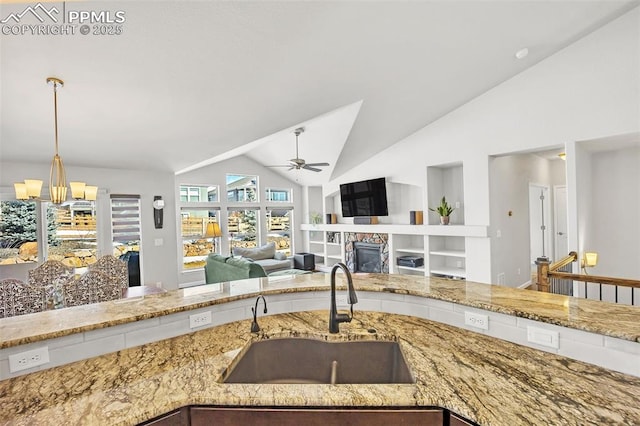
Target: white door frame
[{"x": 557, "y": 226}]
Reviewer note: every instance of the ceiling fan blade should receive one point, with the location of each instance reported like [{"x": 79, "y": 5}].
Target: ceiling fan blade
[
  {"x": 318, "y": 164},
  {"x": 308, "y": 167}
]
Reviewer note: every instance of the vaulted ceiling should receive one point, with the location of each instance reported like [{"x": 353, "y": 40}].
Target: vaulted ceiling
[{"x": 189, "y": 83}]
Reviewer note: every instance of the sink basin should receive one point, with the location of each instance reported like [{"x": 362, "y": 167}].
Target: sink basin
[{"x": 297, "y": 360}]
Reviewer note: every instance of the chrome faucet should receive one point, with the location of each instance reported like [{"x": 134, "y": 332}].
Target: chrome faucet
[
  {"x": 334, "y": 317},
  {"x": 254, "y": 325}
]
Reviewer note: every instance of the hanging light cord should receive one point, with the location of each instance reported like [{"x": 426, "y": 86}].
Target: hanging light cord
[{"x": 55, "y": 111}]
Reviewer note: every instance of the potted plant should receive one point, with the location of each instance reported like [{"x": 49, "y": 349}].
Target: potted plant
[
  {"x": 315, "y": 217},
  {"x": 444, "y": 210}
]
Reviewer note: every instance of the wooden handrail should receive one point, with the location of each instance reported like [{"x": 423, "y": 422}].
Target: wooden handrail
[
  {"x": 571, "y": 257},
  {"x": 622, "y": 282}
]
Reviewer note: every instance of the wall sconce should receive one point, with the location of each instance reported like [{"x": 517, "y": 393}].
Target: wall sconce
[
  {"x": 158, "y": 205},
  {"x": 590, "y": 259},
  {"x": 563, "y": 156}
]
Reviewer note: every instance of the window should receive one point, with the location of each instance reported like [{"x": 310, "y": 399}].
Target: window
[
  {"x": 18, "y": 232},
  {"x": 196, "y": 244},
  {"x": 199, "y": 193},
  {"x": 279, "y": 195},
  {"x": 279, "y": 229},
  {"x": 242, "y": 227},
  {"x": 125, "y": 233},
  {"x": 125, "y": 224},
  {"x": 242, "y": 188},
  {"x": 71, "y": 233}
]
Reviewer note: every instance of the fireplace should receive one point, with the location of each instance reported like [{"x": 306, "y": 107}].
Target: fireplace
[
  {"x": 376, "y": 251},
  {"x": 367, "y": 257}
]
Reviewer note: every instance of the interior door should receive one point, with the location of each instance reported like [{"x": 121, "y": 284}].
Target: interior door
[
  {"x": 560, "y": 221},
  {"x": 539, "y": 221}
]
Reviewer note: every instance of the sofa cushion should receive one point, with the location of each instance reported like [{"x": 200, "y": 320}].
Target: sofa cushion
[
  {"x": 221, "y": 269},
  {"x": 254, "y": 270},
  {"x": 270, "y": 265},
  {"x": 267, "y": 251}
]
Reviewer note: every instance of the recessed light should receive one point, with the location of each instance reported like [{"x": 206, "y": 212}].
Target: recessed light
[{"x": 522, "y": 53}]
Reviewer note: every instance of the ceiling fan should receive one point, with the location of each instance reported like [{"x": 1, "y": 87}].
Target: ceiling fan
[{"x": 299, "y": 163}]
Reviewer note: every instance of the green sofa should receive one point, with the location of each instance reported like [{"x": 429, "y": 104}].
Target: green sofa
[{"x": 220, "y": 269}]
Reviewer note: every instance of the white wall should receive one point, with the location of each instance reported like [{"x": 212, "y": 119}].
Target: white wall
[
  {"x": 158, "y": 262},
  {"x": 588, "y": 90},
  {"x": 509, "y": 182},
  {"x": 615, "y": 207},
  {"x": 216, "y": 174}
]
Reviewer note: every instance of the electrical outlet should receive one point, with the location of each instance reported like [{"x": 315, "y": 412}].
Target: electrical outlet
[
  {"x": 476, "y": 320},
  {"x": 28, "y": 359},
  {"x": 198, "y": 320},
  {"x": 543, "y": 337}
]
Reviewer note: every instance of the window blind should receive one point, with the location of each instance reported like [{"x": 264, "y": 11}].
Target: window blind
[{"x": 125, "y": 218}]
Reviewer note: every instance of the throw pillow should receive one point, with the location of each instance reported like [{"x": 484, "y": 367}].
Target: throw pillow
[
  {"x": 266, "y": 251},
  {"x": 280, "y": 256}
]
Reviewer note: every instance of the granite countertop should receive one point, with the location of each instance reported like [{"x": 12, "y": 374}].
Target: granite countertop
[
  {"x": 608, "y": 319},
  {"x": 490, "y": 381}
]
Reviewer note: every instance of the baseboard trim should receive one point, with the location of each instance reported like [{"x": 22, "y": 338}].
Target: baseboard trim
[{"x": 525, "y": 286}]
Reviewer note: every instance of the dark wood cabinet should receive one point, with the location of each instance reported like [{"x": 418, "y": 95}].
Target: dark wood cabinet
[
  {"x": 178, "y": 417},
  {"x": 201, "y": 416},
  {"x": 455, "y": 420}
]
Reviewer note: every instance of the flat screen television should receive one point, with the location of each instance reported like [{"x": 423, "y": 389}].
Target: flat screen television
[{"x": 364, "y": 198}]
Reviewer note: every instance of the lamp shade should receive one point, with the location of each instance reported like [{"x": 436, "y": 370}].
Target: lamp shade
[
  {"x": 34, "y": 187},
  {"x": 213, "y": 230},
  {"x": 77, "y": 190},
  {"x": 90, "y": 192},
  {"x": 21, "y": 191},
  {"x": 590, "y": 259}
]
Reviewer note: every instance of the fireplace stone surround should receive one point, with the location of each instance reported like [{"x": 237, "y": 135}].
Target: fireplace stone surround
[{"x": 382, "y": 240}]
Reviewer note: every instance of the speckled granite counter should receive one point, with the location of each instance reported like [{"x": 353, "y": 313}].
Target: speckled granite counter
[
  {"x": 484, "y": 379},
  {"x": 603, "y": 318}
]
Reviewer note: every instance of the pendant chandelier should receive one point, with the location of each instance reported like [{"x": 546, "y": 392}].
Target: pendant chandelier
[{"x": 31, "y": 188}]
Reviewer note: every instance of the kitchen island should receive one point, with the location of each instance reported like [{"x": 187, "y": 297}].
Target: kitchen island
[{"x": 482, "y": 378}]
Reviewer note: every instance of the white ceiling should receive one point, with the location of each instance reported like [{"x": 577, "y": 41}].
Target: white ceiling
[{"x": 193, "y": 82}]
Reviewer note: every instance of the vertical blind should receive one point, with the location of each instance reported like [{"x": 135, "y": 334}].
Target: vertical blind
[{"x": 125, "y": 218}]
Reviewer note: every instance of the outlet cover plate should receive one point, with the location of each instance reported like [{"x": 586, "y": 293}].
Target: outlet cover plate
[
  {"x": 28, "y": 359},
  {"x": 476, "y": 320},
  {"x": 543, "y": 337},
  {"x": 199, "y": 320}
]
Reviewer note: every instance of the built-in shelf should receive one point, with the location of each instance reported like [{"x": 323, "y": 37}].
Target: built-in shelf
[
  {"x": 450, "y": 253},
  {"x": 409, "y": 268},
  {"x": 334, "y": 244},
  {"x": 450, "y": 272},
  {"x": 416, "y": 250},
  {"x": 334, "y": 256},
  {"x": 444, "y": 230}
]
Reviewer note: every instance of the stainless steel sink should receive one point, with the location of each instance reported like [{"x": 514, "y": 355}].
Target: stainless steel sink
[{"x": 297, "y": 360}]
